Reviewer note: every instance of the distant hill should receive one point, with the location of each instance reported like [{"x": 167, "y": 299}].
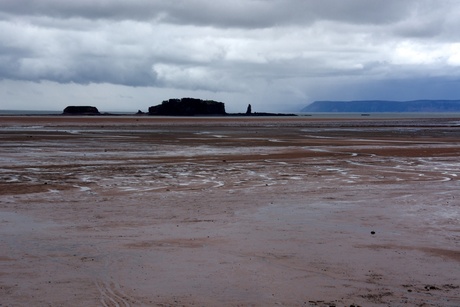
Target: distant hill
[{"x": 369, "y": 106}]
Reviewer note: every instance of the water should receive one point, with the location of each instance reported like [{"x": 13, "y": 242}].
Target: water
[
  {"x": 381, "y": 115},
  {"x": 312, "y": 114},
  {"x": 45, "y": 112},
  {"x": 29, "y": 112}
]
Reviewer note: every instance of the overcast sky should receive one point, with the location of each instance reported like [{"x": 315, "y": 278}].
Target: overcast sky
[{"x": 278, "y": 55}]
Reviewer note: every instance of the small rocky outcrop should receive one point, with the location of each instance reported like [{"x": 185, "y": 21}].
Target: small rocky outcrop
[
  {"x": 188, "y": 107},
  {"x": 81, "y": 110},
  {"x": 249, "y": 110}
]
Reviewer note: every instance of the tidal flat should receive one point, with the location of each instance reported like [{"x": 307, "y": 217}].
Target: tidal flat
[{"x": 229, "y": 211}]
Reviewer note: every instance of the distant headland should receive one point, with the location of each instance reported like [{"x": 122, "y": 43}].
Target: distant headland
[{"x": 369, "y": 106}]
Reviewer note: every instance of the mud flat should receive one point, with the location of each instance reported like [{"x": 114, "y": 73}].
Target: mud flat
[{"x": 140, "y": 211}]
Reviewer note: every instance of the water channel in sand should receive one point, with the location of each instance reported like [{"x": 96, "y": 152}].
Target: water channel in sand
[{"x": 129, "y": 211}]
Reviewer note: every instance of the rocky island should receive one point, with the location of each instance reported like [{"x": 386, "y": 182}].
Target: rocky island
[
  {"x": 188, "y": 107},
  {"x": 177, "y": 107},
  {"x": 81, "y": 110},
  {"x": 195, "y": 106}
]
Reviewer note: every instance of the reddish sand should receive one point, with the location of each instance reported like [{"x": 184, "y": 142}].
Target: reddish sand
[{"x": 145, "y": 211}]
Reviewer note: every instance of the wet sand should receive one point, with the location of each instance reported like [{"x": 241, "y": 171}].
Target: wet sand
[{"x": 142, "y": 211}]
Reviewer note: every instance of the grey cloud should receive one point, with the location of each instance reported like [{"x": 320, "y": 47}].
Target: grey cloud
[
  {"x": 100, "y": 70},
  {"x": 237, "y": 13},
  {"x": 425, "y": 21},
  {"x": 420, "y": 29},
  {"x": 83, "y": 70},
  {"x": 37, "y": 53}
]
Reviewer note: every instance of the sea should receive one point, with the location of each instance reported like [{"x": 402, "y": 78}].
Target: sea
[
  {"x": 44, "y": 112},
  {"x": 312, "y": 114},
  {"x": 29, "y": 112},
  {"x": 388, "y": 115}
]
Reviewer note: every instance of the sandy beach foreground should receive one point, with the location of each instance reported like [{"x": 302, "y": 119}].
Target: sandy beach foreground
[{"x": 143, "y": 211}]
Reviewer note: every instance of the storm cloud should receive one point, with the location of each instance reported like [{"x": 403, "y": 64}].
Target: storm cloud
[{"x": 274, "y": 54}]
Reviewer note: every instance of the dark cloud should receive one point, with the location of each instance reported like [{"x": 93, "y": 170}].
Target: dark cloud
[{"x": 83, "y": 70}]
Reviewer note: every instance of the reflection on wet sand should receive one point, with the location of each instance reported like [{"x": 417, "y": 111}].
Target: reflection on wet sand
[{"x": 135, "y": 211}]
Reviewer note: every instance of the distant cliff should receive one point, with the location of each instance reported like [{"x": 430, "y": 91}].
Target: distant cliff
[
  {"x": 188, "y": 107},
  {"x": 80, "y": 110},
  {"x": 369, "y": 106}
]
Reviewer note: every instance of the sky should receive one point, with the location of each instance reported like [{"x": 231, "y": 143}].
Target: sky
[{"x": 277, "y": 55}]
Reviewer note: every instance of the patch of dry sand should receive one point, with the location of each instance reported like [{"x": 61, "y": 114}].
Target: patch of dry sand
[{"x": 132, "y": 211}]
